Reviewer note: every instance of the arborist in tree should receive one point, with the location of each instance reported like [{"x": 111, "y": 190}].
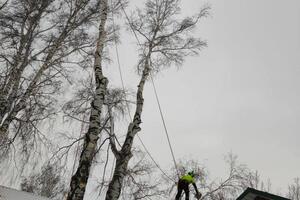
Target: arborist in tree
[{"x": 183, "y": 184}]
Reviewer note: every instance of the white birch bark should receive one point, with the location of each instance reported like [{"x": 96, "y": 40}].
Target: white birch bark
[
  {"x": 80, "y": 178},
  {"x": 124, "y": 155},
  {"x": 11, "y": 103},
  {"x": 167, "y": 41}
]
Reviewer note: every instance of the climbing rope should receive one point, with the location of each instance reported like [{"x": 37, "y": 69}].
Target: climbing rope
[
  {"x": 128, "y": 107},
  {"x": 156, "y": 95},
  {"x": 164, "y": 124}
]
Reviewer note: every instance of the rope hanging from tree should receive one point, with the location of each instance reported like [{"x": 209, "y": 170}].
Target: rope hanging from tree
[
  {"x": 128, "y": 108},
  {"x": 157, "y": 100}
]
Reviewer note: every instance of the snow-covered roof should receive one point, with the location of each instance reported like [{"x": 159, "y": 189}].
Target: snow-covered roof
[{"x": 12, "y": 194}]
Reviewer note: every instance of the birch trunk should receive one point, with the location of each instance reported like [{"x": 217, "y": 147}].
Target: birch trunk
[
  {"x": 170, "y": 41},
  {"x": 14, "y": 105},
  {"x": 11, "y": 103},
  {"x": 11, "y": 86},
  {"x": 80, "y": 178},
  {"x": 124, "y": 155}
]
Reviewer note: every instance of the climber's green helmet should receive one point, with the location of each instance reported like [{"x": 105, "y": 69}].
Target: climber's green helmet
[{"x": 191, "y": 173}]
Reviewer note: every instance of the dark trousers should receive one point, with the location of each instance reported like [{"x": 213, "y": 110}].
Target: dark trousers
[{"x": 183, "y": 186}]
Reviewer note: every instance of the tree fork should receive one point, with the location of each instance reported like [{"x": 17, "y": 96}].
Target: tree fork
[{"x": 125, "y": 154}]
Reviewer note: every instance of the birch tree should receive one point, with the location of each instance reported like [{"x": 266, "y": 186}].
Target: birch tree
[
  {"x": 80, "y": 178},
  {"x": 164, "y": 41},
  {"x": 37, "y": 41}
]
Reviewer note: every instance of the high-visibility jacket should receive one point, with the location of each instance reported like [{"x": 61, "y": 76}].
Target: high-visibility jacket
[{"x": 188, "y": 178}]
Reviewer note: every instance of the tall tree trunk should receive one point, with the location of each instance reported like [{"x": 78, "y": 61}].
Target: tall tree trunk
[
  {"x": 11, "y": 86},
  {"x": 124, "y": 155},
  {"x": 80, "y": 178}
]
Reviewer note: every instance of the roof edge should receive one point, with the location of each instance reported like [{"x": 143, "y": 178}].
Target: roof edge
[{"x": 258, "y": 192}]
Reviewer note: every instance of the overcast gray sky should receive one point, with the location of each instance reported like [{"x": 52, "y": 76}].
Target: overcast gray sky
[{"x": 241, "y": 94}]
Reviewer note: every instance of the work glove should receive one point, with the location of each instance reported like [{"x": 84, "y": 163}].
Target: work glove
[{"x": 198, "y": 195}]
